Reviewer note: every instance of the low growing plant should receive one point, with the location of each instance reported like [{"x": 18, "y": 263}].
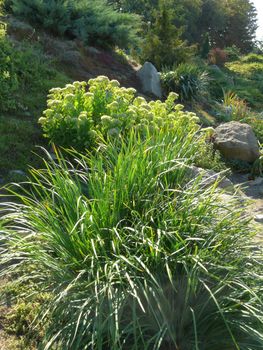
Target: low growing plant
[{"x": 187, "y": 80}]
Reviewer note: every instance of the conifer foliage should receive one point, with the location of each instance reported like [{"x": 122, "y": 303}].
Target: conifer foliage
[
  {"x": 163, "y": 44},
  {"x": 94, "y": 22}
]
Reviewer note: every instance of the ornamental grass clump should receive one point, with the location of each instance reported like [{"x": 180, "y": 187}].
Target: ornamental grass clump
[{"x": 133, "y": 253}]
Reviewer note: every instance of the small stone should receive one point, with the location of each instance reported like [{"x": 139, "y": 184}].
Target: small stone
[
  {"x": 258, "y": 181},
  {"x": 93, "y": 50},
  {"x": 259, "y": 218},
  {"x": 17, "y": 172}
]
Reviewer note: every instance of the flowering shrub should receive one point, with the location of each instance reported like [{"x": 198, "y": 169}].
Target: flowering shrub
[{"x": 78, "y": 118}]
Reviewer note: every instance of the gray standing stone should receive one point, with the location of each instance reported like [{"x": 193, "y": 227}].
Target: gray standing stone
[
  {"x": 150, "y": 79},
  {"x": 237, "y": 141}
]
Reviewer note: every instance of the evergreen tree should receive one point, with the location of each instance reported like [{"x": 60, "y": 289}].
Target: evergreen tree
[
  {"x": 163, "y": 44},
  {"x": 205, "y": 47},
  {"x": 94, "y": 22}
]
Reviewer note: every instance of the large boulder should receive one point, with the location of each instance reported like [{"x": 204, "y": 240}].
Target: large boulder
[
  {"x": 150, "y": 80},
  {"x": 237, "y": 141}
]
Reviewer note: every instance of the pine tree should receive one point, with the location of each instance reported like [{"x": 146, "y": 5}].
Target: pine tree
[{"x": 163, "y": 45}]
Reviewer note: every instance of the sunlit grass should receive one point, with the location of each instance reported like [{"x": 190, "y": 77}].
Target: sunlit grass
[{"x": 132, "y": 254}]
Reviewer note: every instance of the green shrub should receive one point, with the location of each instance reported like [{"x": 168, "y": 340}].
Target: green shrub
[
  {"x": 250, "y": 70},
  {"x": 253, "y": 58},
  {"x": 133, "y": 255},
  {"x": 8, "y": 75},
  {"x": 187, "y": 80},
  {"x": 172, "y": 50},
  {"x": 233, "y": 53},
  {"x": 94, "y": 22},
  {"x": 256, "y": 122}
]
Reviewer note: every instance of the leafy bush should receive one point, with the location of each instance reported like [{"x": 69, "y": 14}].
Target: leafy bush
[
  {"x": 256, "y": 122},
  {"x": 251, "y": 70},
  {"x": 233, "y": 53},
  {"x": 8, "y": 75},
  {"x": 253, "y": 58},
  {"x": 172, "y": 50},
  {"x": 217, "y": 56},
  {"x": 77, "y": 118},
  {"x": 133, "y": 255},
  {"x": 93, "y": 22},
  {"x": 187, "y": 80}
]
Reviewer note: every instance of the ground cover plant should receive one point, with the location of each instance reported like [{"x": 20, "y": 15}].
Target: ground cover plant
[
  {"x": 188, "y": 80},
  {"x": 247, "y": 79},
  {"x": 133, "y": 254}
]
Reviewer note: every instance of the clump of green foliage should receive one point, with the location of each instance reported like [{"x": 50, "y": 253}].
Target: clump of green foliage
[
  {"x": 253, "y": 58},
  {"x": 189, "y": 81},
  {"x": 79, "y": 118},
  {"x": 243, "y": 77},
  {"x": 233, "y": 53},
  {"x": 133, "y": 253},
  {"x": 94, "y": 22},
  {"x": 172, "y": 50},
  {"x": 8, "y": 75}
]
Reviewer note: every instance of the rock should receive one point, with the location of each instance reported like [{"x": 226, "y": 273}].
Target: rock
[
  {"x": 209, "y": 177},
  {"x": 92, "y": 50},
  {"x": 258, "y": 181},
  {"x": 237, "y": 141},
  {"x": 150, "y": 79},
  {"x": 259, "y": 218}
]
